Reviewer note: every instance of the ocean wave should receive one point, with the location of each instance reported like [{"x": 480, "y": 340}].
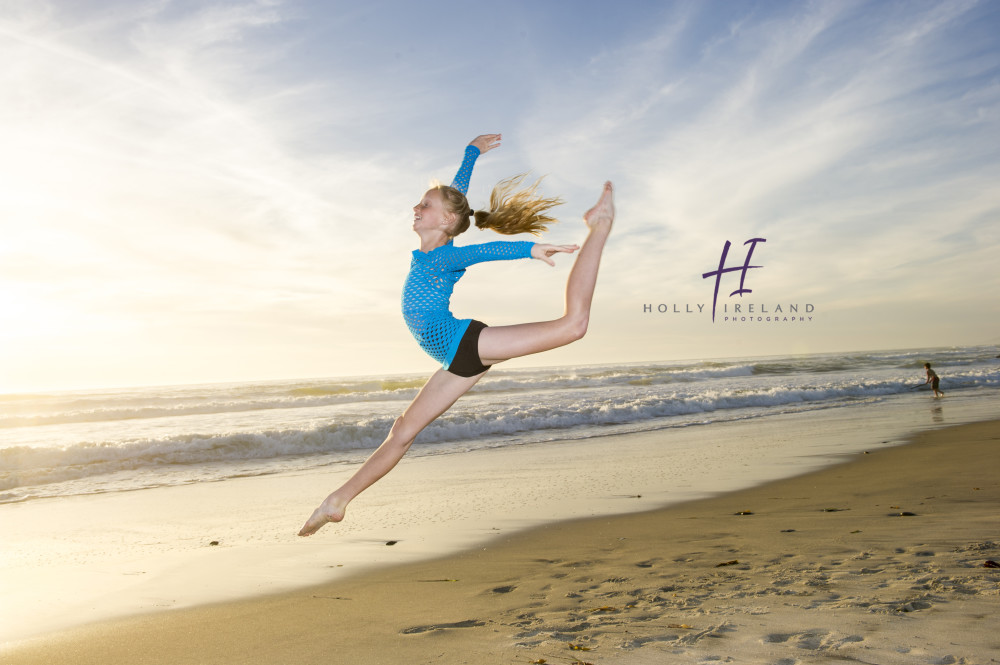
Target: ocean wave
[
  {"x": 26, "y": 465},
  {"x": 54, "y": 411},
  {"x": 173, "y": 402},
  {"x": 473, "y": 422},
  {"x": 92, "y": 409},
  {"x": 153, "y": 408}
]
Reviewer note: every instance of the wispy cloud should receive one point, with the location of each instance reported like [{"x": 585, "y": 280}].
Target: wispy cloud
[
  {"x": 203, "y": 170},
  {"x": 792, "y": 127}
]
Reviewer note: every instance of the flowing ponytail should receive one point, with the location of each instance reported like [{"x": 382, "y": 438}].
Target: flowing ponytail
[{"x": 511, "y": 211}]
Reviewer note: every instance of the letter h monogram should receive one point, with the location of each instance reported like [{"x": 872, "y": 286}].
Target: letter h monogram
[{"x": 723, "y": 269}]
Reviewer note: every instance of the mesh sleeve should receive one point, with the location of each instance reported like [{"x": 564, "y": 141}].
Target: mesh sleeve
[
  {"x": 461, "y": 181},
  {"x": 463, "y": 257}
]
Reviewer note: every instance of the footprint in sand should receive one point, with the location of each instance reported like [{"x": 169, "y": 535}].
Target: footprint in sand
[
  {"x": 469, "y": 623},
  {"x": 812, "y": 640}
]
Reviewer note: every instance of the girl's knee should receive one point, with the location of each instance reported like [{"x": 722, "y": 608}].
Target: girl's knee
[
  {"x": 576, "y": 326},
  {"x": 401, "y": 433}
]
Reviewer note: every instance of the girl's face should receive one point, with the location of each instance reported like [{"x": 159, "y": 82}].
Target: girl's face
[{"x": 430, "y": 213}]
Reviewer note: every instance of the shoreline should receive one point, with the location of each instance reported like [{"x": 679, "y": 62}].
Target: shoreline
[
  {"x": 96, "y": 557},
  {"x": 600, "y": 583}
]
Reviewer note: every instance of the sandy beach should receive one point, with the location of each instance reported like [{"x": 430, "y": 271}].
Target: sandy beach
[{"x": 881, "y": 559}]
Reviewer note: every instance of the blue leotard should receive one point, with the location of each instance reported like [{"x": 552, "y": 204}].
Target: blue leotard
[{"x": 433, "y": 275}]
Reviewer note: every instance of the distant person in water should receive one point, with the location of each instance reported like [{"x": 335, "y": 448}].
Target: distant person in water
[
  {"x": 467, "y": 348},
  {"x": 933, "y": 379}
]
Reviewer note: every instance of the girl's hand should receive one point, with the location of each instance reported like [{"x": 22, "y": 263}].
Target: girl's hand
[
  {"x": 545, "y": 252},
  {"x": 486, "y": 142}
]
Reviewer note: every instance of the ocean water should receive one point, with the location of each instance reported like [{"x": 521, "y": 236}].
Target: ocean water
[{"x": 85, "y": 442}]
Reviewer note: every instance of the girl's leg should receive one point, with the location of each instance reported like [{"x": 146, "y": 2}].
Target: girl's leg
[
  {"x": 501, "y": 343},
  {"x": 441, "y": 391}
]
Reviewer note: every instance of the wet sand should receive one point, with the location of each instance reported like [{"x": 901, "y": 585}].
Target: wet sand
[{"x": 877, "y": 560}]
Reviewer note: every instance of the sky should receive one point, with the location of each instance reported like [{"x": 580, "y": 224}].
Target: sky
[{"x": 222, "y": 191}]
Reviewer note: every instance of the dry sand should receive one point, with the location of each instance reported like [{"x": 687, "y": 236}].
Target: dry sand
[{"x": 824, "y": 567}]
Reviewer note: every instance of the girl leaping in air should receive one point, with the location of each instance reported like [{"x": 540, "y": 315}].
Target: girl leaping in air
[{"x": 467, "y": 348}]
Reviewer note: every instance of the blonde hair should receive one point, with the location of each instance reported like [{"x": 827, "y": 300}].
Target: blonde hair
[{"x": 512, "y": 211}]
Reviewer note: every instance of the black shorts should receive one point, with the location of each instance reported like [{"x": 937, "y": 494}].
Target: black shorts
[{"x": 466, "y": 362}]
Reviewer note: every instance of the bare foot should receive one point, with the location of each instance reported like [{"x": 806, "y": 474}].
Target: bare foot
[
  {"x": 331, "y": 510},
  {"x": 603, "y": 212}
]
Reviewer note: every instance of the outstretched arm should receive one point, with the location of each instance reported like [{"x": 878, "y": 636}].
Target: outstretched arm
[
  {"x": 459, "y": 258},
  {"x": 476, "y": 147}
]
